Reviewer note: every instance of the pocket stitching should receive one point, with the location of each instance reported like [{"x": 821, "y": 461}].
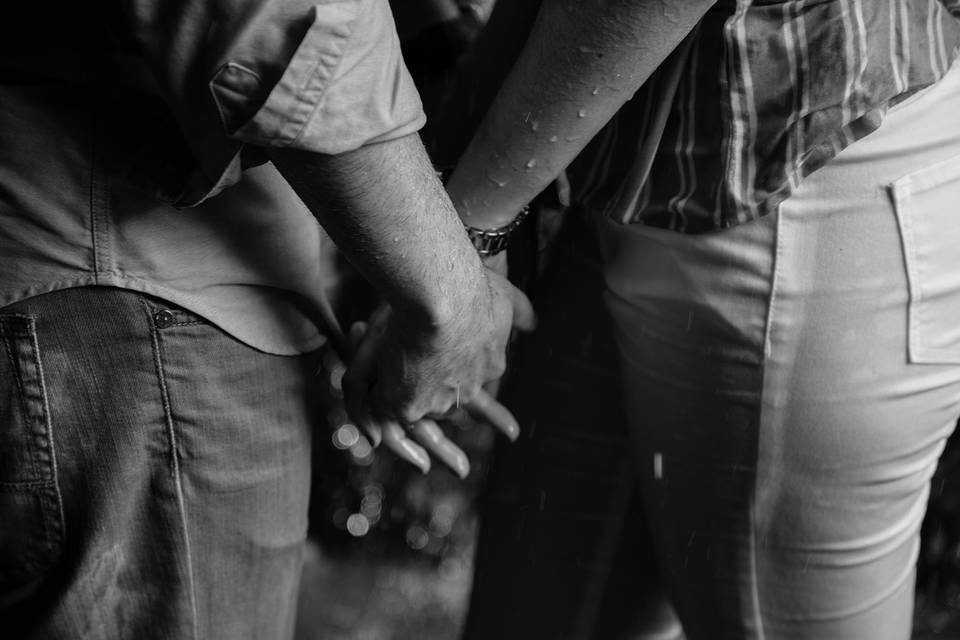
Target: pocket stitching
[
  {"x": 51, "y": 526},
  {"x": 22, "y": 394},
  {"x": 902, "y": 193},
  {"x": 51, "y": 454}
]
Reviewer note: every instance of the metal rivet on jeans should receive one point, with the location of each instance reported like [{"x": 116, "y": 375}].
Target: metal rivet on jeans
[{"x": 163, "y": 319}]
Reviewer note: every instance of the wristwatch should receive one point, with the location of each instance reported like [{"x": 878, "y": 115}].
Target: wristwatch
[{"x": 490, "y": 242}]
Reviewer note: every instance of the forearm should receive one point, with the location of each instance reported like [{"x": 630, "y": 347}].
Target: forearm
[
  {"x": 384, "y": 207},
  {"x": 582, "y": 61}
]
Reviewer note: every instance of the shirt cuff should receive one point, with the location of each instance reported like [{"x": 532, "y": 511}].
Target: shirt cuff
[{"x": 345, "y": 86}]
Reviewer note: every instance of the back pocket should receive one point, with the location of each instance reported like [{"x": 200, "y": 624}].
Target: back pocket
[
  {"x": 31, "y": 511},
  {"x": 927, "y": 204}
]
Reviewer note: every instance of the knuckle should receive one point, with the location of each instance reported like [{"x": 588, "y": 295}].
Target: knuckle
[
  {"x": 470, "y": 393},
  {"x": 409, "y": 413}
]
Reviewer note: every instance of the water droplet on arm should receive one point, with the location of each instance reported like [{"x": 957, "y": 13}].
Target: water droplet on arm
[
  {"x": 582, "y": 113},
  {"x": 499, "y": 183},
  {"x": 531, "y": 163}
]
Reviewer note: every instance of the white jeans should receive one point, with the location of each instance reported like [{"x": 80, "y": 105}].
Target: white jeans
[{"x": 790, "y": 384}]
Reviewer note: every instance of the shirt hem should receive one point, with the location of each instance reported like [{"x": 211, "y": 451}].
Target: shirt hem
[{"x": 188, "y": 302}]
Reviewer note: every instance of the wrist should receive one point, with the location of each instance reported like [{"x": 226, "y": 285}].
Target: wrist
[
  {"x": 478, "y": 204},
  {"x": 451, "y": 292},
  {"x": 488, "y": 233}
]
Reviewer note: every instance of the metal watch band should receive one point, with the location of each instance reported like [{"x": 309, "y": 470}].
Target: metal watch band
[{"x": 490, "y": 242}]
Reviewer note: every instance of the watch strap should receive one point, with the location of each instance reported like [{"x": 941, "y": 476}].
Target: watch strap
[{"x": 490, "y": 242}]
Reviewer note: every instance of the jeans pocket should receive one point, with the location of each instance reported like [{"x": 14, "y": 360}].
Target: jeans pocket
[
  {"x": 31, "y": 509},
  {"x": 927, "y": 204}
]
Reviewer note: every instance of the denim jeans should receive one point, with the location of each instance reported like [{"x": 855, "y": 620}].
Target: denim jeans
[{"x": 154, "y": 473}]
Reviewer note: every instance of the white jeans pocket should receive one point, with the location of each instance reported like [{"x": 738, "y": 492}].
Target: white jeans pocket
[{"x": 927, "y": 204}]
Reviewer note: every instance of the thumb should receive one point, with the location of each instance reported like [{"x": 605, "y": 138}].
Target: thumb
[{"x": 524, "y": 319}]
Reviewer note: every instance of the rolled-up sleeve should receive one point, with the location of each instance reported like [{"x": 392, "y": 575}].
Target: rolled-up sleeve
[
  {"x": 344, "y": 87},
  {"x": 322, "y": 76}
]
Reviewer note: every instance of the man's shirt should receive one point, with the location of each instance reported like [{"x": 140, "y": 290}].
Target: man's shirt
[
  {"x": 759, "y": 96},
  {"x": 114, "y": 116}
]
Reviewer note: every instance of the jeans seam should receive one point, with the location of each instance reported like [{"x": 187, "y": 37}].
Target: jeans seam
[
  {"x": 175, "y": 470},
  {"x": 48, "y": 424},
  {"x": 775, "y": 280},
  {"x": 767, "y": 347}
]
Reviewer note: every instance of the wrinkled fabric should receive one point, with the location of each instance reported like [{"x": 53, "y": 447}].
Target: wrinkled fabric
[
  {"x": 208, "y": 79},
  {"x": 112, "y": 117},
  {"x": 761, "y": 95}
]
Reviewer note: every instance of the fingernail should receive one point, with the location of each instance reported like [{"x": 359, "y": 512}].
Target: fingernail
[
  {"x": 415, "y": 457},
  {"x": 423, "y": 464},
  {"x": 513, "y": 432},
  {"x": 456, "y": 459},
  {"x": 336, "y": 374}
]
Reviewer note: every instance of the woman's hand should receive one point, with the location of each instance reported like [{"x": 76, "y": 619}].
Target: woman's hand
[{"x": 418, "y": 442}]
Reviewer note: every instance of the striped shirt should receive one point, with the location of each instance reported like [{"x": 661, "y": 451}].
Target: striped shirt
[{"x": 760, "y": 95}]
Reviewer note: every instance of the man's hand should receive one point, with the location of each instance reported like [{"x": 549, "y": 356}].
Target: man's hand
[
  {"x": 401, "y": 374},
  {"x": 445, "y": 331},
  {"x": 404, "y": 372}
]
